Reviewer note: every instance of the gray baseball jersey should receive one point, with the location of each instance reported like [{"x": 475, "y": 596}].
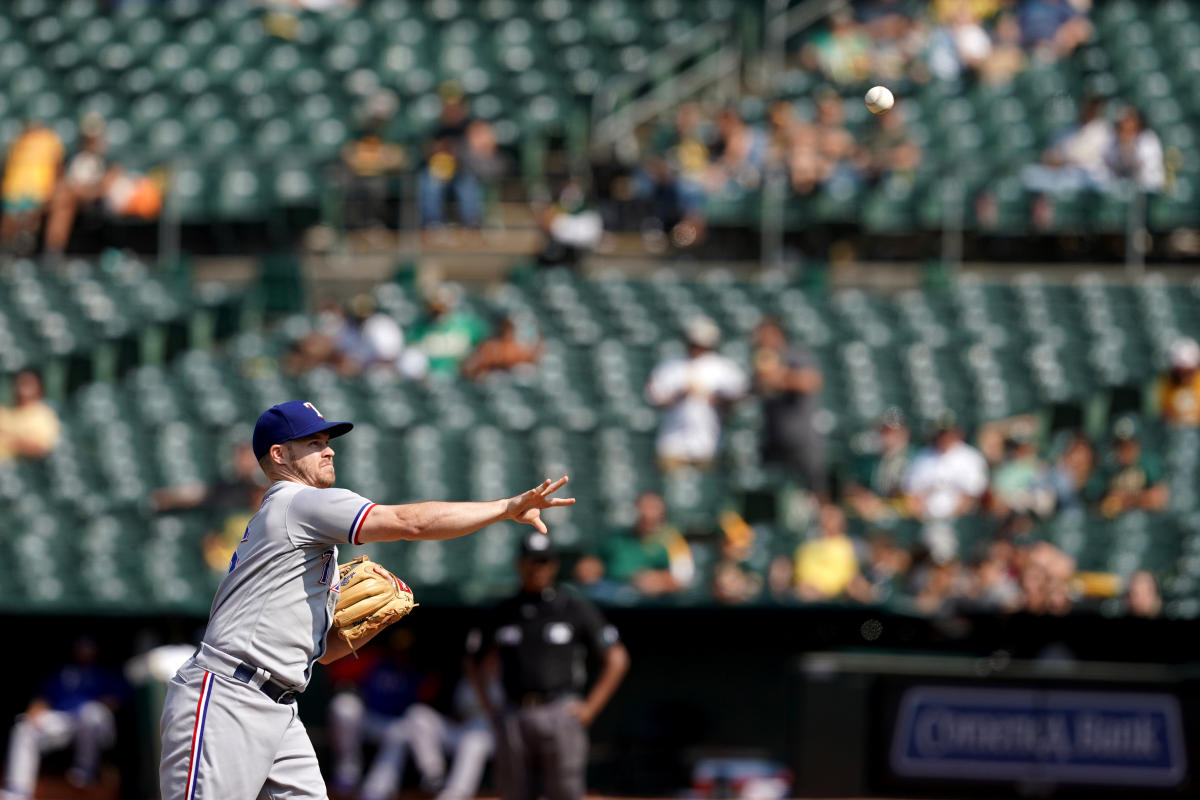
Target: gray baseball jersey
[{"x": 268, "y": 623}]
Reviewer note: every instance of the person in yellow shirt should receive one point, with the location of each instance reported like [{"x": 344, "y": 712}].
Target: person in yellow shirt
[
  {"x": 30, "y": 427},
  {"x": 1178, "y": 391},
  {"x": 826, "y": 567},
  {"x": 33, "y": 164}
]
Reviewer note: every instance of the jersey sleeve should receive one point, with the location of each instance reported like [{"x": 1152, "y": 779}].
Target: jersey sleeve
[
  {"x": 333, "y": 516},
  {"x": 598, "y": 634}
]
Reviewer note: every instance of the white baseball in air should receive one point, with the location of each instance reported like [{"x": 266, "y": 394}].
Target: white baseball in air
[{"x": 879, "y": 99}]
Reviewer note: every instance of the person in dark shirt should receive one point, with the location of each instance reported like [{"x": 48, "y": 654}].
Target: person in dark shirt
[
  {"x": 75, "y": 705},
  {"x": 545, "y": 636},
  {"x": 787, "y": 378}
]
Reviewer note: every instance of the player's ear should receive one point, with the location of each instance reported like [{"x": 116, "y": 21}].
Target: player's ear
[{"x": 277, "y": 454}]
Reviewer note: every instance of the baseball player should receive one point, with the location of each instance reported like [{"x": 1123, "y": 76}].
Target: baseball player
[{"x": 230, "y": 726}]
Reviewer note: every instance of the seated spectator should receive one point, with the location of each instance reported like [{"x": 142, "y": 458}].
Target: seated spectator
[
  {"x": 960, "y": 45},
  {"x": 883, "y": 568},
  {"x": 876, "y": 489},
  {"x": 446, "y": 335},
  {"x": 1135, "y": 153},
  {"x": 842, "y": 52},
  {"x": 1076, "y": 159},
  {"x": 31, "y": 171},
  {"x": 1142, "y": 598},
  {"x": 1071, "y": 473},
  {"x": 367, "y": 338},
  {"x": 895, "y": 36},
  {"x": 571, "y": 226},
  {"x": 367, "y": 163},
  {"x": 946, "y": 481},
  {"x": 671, "y": 180},
  {"x": 1007, "y": 58},
  {"x": 83, "y": 184},
  {"x": 826, "y": 565},
  {"x": 888, "y": 149},
  {"x": 789, "y": 382},
  {"x": 1019, "y": 486},
  {"x": 446, "y": 166},
  {"x": 738, "y": 154},
  {"x": 506, "y": 349},
  {"x": 1046, "y": 574},
  {"x": 29, "y": 428},
  {"x": 947, "y": 478},
  {"x": 1052, "y": 29},
  {"x": 1129, "y": 477},
  {"x": 692, "y": 390},
  {"x": 822, "y": 152},
  {"x": 994, "y": 586},
  {"x": 1178, "y": 392},
  {"x": 229, "y": 503},
  {"x": 652, "y": 556}
]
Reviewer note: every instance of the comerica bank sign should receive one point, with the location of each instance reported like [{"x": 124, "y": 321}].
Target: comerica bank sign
[{"x": 1114, "y": 738}]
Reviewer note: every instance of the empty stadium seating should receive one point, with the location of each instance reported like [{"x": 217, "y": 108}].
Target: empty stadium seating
[{"x": 985, "y": 350}]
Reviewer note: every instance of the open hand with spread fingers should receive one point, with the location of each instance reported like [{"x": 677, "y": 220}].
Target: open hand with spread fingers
[{"x": 527, "y": 507}]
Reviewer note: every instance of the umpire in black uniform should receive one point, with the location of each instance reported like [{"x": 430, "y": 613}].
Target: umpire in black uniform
[{"x": 546, "y": 636}]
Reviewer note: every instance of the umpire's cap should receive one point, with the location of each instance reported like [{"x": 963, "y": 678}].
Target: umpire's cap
[
  {"x": 538, "y": 547},
  {"x": 294, "y": 419}
]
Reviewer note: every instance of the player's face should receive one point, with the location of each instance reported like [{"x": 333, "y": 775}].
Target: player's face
[{"x": 311, "y": 458}]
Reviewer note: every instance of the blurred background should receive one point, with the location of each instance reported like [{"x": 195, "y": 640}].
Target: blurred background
[{"x": 884, "y": 429}]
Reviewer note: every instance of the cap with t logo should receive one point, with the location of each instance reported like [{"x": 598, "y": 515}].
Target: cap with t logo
[{"x": 292, "y": 420}]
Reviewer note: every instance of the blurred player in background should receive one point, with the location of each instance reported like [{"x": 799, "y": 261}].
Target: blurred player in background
[
  {"x": 74, "y": 706},
  {"x": 545, "y": 637}
]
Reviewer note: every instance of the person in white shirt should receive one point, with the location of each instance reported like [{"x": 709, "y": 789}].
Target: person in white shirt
[
  {"x": 945, "y": 481},
  {"x": 692, "y": 389},
  {"x": 1136, "y": 153},
  {"x": 1076, "y": 159}
]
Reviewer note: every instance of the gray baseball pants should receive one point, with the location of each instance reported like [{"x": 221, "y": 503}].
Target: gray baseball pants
[
  {"x": 541, "y": 751},
  {"x": 225, "y": 740}
]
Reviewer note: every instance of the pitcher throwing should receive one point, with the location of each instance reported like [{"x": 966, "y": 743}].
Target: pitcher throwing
[{"x": 230, "y": 726}]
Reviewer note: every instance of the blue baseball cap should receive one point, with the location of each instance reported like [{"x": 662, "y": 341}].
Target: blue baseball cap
[{"x": 294, "y": 419}]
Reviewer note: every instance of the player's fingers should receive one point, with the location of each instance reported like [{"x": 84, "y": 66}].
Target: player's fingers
[
  {"x": 537, "y": 523},
  {"x": 560, "y": 501},
  {"x": 554, "y": 487}
]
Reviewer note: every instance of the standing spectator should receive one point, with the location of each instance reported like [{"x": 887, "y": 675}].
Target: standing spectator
[
  {"x": 511, "y": 346},
  {"x": 371, "y": 707},
  {"x": 876, "y": 490},
  {"x": 788, "y": 380},
  {"x": 83, "y": 184},
  {"x": 29, "y": 428},
  {"x": 827, "y": 566},
  {"x": 1135, "y": 153},
  {"x": 1129, "y": 477},
  {"x": 545, "y": 636},
  {"x": 692, "y": 389},
  {"x": 466, "y": 734},
  {"x": 446, "y": 335},
  {"x": 31, "y": 172},
  {"x": 1178, "y": 392},
  {"x": 74, "y": 706},
  {"x": 652, "y": 557}
]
